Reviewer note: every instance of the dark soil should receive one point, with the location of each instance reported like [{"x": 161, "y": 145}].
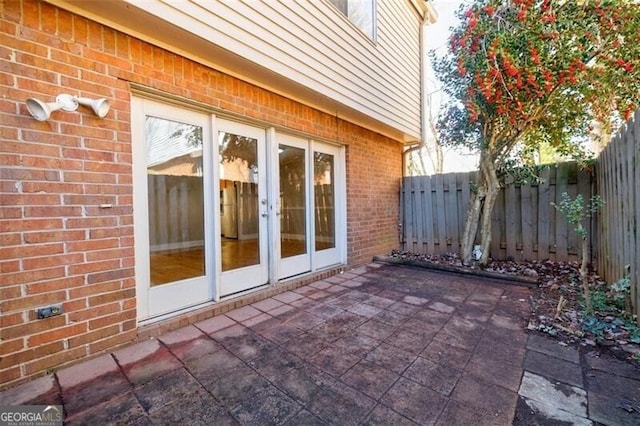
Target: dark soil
[{"x": 557, "y": 303}]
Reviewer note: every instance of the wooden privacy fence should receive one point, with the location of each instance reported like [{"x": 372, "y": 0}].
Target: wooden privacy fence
[
  {"x": 524, "y": 225},
  {"x": 618, "y": 171}
]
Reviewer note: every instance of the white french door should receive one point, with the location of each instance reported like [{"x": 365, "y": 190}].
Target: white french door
[
  {"x": 222, "y": 207},
  {"x": 293, "y": 205},
  {"x": 310, "y": 205},
  {"x": 243, "y": 239},
  {"x": 173, "y": 207},
  {"x": 329, "y": 195}
]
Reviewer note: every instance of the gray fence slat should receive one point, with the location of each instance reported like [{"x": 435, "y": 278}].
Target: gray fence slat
[
  {"x": 452, "y": 214},
  {"x": 430, "y": 206},
  {"x": 562, "y": 227},
  {"x": 627, "y": 197},
  {"x": 413, "y": 203},
  {"x": 420, "y": 207},
  {"x": 611, "y": 199},
  {"x": 543, "y": 213},
  {"x": 604, "y": 228},
  {"x": 407, "y": 214},
  {"x": 634, "y": 201},
  {"x": 614, "y": 199},
  {"x": 608, "y": 172},
  {"x": 465, "y": 196},
  {"x": 510, "y": 220},
  {"x": 584, "y": 188},
  {"x": 526, "y": 207},
  {"x": 635, "y": 267},
  {"x": 497, "y": 228},
  {"x": 441, "y": 229}
]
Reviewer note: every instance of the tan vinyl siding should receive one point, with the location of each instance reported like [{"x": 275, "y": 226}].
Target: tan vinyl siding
[
  {"x": 394, "y": 17},
  {"x": 309, "y": 43}
]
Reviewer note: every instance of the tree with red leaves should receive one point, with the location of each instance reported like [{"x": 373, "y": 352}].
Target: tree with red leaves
[{"x": 522, "y": 73}]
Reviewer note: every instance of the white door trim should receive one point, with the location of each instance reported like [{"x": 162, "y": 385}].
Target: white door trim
[
  {"x": 170, "y": 297},
  {"x": 300, "y": 264}
]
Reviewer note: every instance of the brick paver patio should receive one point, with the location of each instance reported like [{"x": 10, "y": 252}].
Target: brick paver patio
[{"x": 376, "y": 345}]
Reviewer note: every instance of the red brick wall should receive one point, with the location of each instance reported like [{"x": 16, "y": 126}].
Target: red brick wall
[
  {"x": 56, "y": 244},
  {"x": 374, "y": 167}
]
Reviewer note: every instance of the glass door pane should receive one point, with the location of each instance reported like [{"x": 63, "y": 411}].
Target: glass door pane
[
  {"x": 239, "y": 201},
  {"x": 175, "y": 200},
  {"x": 293, "y": 201},
  {"x": 294, "y": 204},
  {"x": 324, "y": 190}
]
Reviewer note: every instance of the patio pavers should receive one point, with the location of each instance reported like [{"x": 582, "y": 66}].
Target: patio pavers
[
  {"x": 378, "y": 345},
  {"x": 561, "y": 384}
]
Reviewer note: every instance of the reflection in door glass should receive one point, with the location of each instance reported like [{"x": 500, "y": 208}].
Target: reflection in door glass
[
  {"x": 324, "y": 190},
  {"x": 239, "y": 204},
  {"x": 175, "y": 196},
  {"x": 293, "y": 222}
]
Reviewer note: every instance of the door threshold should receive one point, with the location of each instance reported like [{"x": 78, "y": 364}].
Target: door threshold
[{"x": 245, "y": 292}]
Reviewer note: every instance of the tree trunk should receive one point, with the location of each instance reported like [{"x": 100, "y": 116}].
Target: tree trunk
[
  {"x": 482, "y": 201},
  {"x": 438, "y": 164},
  {"x": 493, "y": 187},
  {"x": 471, "y": 227},
  {"x": 583, "y": 270}
]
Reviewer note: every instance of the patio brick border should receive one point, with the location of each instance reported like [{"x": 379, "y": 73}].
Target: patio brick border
[{"x": 507, "y": 278}]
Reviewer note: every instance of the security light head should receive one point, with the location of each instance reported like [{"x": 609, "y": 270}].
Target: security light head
[
  {"x": 100, "y": 106},
  {"x": 41, "y": 111}
]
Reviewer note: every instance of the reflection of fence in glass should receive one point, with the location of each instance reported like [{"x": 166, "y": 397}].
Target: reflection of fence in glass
[
  {"x": 176, "y": 228},
  {"x": 293, "y": 218},
  {"x": 247, "y": 210},
  {"x": 324, "y": 192},
  {"x": 175, "y": 200},
  {"x": 324, "y": 217},
  {"x": 175, "y": 211}
]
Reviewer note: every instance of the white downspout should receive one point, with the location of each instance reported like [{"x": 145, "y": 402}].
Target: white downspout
[{"x": 430, "y": 16}]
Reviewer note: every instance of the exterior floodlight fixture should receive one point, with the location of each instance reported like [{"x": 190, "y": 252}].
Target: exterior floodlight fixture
[
  {"x": 41, "y": 111},
  {"x": 100, "y": 106}
]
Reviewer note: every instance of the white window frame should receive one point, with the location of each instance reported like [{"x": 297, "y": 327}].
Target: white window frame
[{"x": 353, "y": 7}]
